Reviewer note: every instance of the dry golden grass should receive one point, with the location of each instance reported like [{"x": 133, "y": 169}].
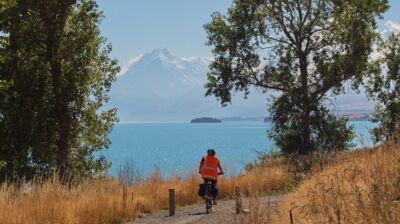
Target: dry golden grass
[
  {"x": 259, "y": 212},
  {"x": 102, "y": 201},
  {"x": 359, "y": 187}
]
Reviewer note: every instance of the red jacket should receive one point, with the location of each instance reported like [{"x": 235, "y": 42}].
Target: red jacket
[{"x": 209, "y": 167}]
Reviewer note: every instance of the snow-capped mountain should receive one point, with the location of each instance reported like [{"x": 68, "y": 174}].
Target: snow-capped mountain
[
  {"x": 160, "y": 87},
  {"x": 163, "y": 63}
]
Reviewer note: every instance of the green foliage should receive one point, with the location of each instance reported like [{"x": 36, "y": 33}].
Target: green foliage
[
  {"x": 384, "y": 86},
  {"x": 51, "y": 116},
  {"x": 329, "y": 133},
  {"x": 305, "y": 51}
]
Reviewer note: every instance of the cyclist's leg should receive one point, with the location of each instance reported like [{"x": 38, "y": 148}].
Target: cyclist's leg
[
  {"x": 205, "y": 186},
  {"x": 215, "y": 191}
]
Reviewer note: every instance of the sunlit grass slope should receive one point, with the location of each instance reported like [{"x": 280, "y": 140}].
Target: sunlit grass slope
[
  {"x": 103, "y": 201},
  {"x": 358, "y": 187}
]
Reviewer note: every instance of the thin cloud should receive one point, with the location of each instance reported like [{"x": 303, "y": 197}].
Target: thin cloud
[{"x": 127, "y": 65}]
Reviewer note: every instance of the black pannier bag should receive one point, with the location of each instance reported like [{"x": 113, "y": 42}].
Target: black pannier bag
[{"x": 202, "y": 190}]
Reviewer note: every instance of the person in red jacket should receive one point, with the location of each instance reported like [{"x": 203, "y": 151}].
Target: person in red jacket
[{"x": 208, "y": 170}]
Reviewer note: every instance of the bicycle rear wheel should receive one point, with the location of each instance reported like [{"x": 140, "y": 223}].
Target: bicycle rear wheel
[{"x": 208, "y": 198}]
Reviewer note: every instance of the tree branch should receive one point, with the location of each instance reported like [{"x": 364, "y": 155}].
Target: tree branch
[
  {"x": 258, "y": 82},
  {"x": 279, "y": 19}
]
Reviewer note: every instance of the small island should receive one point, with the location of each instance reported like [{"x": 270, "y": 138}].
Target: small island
[{"x": 205, "y": 120}]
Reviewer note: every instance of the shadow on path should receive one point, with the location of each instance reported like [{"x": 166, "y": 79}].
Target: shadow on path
[{"x": 198, "y": 213}]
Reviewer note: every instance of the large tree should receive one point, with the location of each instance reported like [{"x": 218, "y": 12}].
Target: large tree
[
  {"x": 304, "y": 50},
  {"x": 384, "y": 86},
  {"x": 52, "y": 117}
]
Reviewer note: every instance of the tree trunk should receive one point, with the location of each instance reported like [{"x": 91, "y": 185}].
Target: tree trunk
[
  {"x": 61, "y": 115},
  {"x": 60, "y": 107},
  {"x": 307, "y": 146},
  {"x": 54, "y": 27}
]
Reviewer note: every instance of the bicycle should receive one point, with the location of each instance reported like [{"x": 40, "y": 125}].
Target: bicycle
[{"x": 208, "y": 197}]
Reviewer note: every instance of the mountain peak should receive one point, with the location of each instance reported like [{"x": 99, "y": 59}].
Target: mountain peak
[
  {"x": 162, "y": 57},
  {"x": 161, "y": 52}
]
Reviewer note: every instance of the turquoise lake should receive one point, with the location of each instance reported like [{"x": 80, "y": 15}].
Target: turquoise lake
[{"x": 176, "y": 148}]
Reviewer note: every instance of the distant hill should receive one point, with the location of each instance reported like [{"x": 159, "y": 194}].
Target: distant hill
[
  {"x": 242, "y": 118},
  {"x": 351, "y": 117},
  {"x": 205, "y": 120},
  {"x": 357, "y": 117}
]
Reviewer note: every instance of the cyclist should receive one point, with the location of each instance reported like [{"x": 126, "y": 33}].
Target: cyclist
[{"x": 208, "y": 169}]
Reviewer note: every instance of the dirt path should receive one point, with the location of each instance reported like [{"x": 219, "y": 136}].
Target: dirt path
[{"x": 224, "y": 212}]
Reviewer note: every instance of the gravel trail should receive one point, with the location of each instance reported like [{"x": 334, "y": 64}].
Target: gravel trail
[{"x": 224, "y": 212}]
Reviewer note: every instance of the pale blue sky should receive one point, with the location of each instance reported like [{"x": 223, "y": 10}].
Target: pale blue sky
[{"x": 139, "y": 26}]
